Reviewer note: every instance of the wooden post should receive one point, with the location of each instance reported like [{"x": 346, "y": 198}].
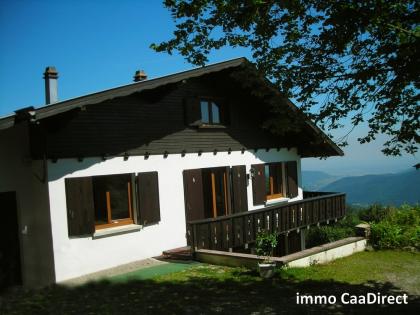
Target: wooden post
[
  {"x": 286, "y": 243},
  {"x": 302, "y": 239}
]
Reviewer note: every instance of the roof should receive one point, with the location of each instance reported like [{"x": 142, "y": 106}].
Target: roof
[
  {"x": 98, "y": 97},
  {"x": 125, "y": 90}
]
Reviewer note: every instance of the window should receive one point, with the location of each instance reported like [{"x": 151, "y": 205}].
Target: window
[
  {"x": 112, "y": 200},
  {"x": 215, "y": 186},
  {"x": 104, "y": 201},
  {"x": 215, "y": 192},
  {"x": 206, "y": 112},
  {"x": 210, "y": 112},
  {"x": 274, "y": 180}
]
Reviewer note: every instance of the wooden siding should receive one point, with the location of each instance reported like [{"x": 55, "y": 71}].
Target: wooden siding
[{"x": 153, "y": 122}]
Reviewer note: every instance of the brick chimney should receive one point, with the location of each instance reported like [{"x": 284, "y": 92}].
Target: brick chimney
[
  {"x": 50, "y": 77},
  {"x": 140, "y": 75}
]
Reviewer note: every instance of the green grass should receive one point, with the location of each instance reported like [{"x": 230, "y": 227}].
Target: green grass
[
  {"x": 153, "y": 272},
  {"x": 400, "y": 268},
  {"x": 209, "y": 289}
]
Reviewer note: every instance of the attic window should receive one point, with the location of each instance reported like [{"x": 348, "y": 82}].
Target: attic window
[
  {"x": 210, "y": 112},
  {"x": 206, "y": 112}
]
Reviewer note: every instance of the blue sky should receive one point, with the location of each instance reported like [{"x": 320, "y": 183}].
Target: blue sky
[{"x": 97, "y": 45}]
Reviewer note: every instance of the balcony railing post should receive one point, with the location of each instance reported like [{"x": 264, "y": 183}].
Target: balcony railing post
[{"x": 235, "y": 230}]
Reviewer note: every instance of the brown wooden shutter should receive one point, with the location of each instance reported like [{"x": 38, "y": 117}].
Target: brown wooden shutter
[
  {"x": 228, "y": 190},
  {"x": 148, "y": 198},
  {"x": 258, "y": 184},
  {"x": 292, "y": 179},
  {"x": 80, "y": 206},
  {"x": 239, "y": 191},
  {"x": 193, "y": 194},
  {"x": 192, "y": 111},
  {"x": 224, "y": 112}
]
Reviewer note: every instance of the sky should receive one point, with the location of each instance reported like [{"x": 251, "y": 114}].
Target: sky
[{"x": 97, "y": 45}]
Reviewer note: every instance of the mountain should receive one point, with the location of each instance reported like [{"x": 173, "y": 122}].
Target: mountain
[
  {"x": 314, "y": 180},
  {"x": 387, "y": 189}
]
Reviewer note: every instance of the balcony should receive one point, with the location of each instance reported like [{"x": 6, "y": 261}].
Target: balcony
[{"x": 237, "y": 232}]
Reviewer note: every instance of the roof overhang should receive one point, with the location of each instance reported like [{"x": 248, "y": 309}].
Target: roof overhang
[{"x": 98, "y": 97}]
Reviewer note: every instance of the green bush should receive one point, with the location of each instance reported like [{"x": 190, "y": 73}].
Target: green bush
[
  {"x": 399, "y": 229},
  {"x": 327, "y": 234},
  {"x": 265, "y": 244},
  {"x": 375, "y": 213},
  {"x": 390, "y": 227}
]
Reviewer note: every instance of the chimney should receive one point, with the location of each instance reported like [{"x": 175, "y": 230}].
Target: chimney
[
  {"x": 140, "y": 75},
  {"x": 50, "y": 77}
]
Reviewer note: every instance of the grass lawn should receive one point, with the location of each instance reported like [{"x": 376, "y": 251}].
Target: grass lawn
[{"x": 208, "y": 289}]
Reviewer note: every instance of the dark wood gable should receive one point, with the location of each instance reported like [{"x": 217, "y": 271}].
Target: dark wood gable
[
  {"x": 192, "y": 111},
  {"x": 159, "y": 121}
]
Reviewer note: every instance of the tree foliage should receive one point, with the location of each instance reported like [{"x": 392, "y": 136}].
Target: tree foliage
[{"x": 339, "y": 59}]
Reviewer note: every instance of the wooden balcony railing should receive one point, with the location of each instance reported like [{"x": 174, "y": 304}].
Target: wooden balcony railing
[{"x": 238, "y": 231}]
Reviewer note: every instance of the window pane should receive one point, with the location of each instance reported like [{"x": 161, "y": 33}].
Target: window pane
[
  {"x": 215, "y": 113},
  {"x": 117, "y": 188},
  {"x": 214, "y": 192},
  {"x": 277, "y": 178},
  {"x": 273, "y": 179},
  {"x": 267, "y": 179},
  {"x": 99, "y": 197},
  {"x": 205, "y": 118},
  {"x": 220, "y": 192}
]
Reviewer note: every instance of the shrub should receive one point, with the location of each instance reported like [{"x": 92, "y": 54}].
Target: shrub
[
  {"x": 375, "y": 213},
  {"x": 327, "y": 234},
  {"x": 385, "y": 235},
  {"x": 265, "y": 244},
  {"x": 399, "y": 229}
]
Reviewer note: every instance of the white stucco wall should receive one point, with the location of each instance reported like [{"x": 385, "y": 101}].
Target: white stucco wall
[{"x": 78, "y": 256}]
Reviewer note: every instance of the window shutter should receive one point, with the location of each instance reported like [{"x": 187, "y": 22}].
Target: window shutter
[
  {"x": 239, "y": 191},
  {"x": 292, "y": 182},
  {"x": 224, "y": 112},
  {"x": 228, "y": 190},
  {"x": 193, "y": 194},
  {"x": 148, "y": 198},
  {"x": 258, "y": 184},
  {"x": 80, "y": 206},
  {"x": 192, "y": 111}
]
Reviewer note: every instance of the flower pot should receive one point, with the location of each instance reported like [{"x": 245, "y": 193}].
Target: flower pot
[{"x": 266, "y": 269}]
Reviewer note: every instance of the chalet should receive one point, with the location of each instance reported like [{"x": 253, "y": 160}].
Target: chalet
[{"x": 204, "y": 157}]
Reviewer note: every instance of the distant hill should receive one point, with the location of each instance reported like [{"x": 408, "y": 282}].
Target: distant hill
[
  {"x": 314, "y": 180},
  {"x": 388, "y": 189}
]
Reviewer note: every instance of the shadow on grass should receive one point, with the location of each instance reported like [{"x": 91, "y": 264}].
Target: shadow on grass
[{"x": 241, "y": 294}]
